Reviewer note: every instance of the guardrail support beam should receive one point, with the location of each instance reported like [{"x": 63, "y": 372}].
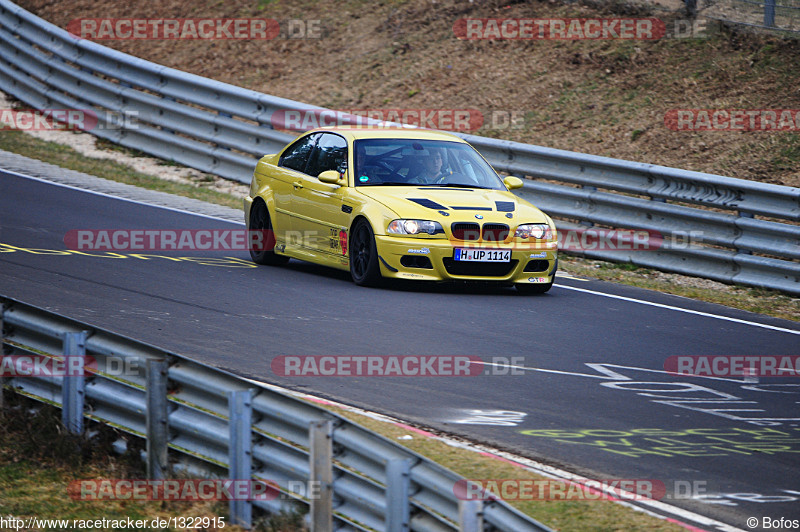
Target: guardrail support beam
[
  {"x": 240, "y": 452},
  {"x": 398, "y": 483},
  {"x": 321, "y": 467},
  {"x": 72, "y": 389},
  {"x": 769, "y": 13},
  {"x": 157, "y": 419},
  {"x": 470, "y": 516}
]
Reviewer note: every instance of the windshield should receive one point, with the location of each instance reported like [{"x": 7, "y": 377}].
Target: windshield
[{"x": 422, "y": 162}]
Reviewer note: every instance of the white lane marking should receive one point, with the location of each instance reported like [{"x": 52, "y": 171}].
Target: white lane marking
[
  {"x": 112, "y": 196},
  {"x": 679, "y": 309},
  {"x": 772, "y": 327},
  {"x": 616, "y": 377},
  {"x": 560, "y": 275}
]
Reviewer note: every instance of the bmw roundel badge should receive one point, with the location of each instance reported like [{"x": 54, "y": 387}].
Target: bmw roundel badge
[{"x": 479, "y": 216}]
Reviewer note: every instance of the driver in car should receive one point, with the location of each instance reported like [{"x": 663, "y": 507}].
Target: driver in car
[{"x": 432, "y": 167}]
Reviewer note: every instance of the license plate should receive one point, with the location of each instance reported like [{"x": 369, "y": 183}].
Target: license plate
[{"x": 482, "y": 255}]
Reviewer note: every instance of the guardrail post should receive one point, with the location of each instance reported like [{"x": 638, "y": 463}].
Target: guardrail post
[
  {"x": 171, "y": 99},
  {"x": 398, "y": 509},
  {"x": 769, "y": 13},
  {"x": 738, "y": 249},
  {"x": 72, "y": 387},
  {"x": 321, "y": 468},
  {"x": 240, "y": 454},
  {"x": 691, "y": 8},
  {"x": 157, "y": 419},
  {"x": 470, "y": 516},
  {"x": 226, "y": 115},
  {"x": 587, "y": 223}
]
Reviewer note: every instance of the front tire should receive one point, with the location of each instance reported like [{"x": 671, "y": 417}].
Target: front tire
[
  {"x": 364, "y": 268},
  {"x": 260, "y": 221}
]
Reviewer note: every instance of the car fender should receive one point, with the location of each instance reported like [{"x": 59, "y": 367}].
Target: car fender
[
  {"x": 376, "y": 213},
  {"x": 260, "y": 182}
]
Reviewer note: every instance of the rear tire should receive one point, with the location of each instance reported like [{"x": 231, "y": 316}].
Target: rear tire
[
  {"x": 364, "y": 267},
  {"x": 260, "y": 221}
]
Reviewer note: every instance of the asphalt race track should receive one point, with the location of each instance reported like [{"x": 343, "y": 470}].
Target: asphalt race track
[{"x": 589, "y": 393}]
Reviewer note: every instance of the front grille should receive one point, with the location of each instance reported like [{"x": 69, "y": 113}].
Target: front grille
[
  {"x": 478, "y": 269},
  {"x": 466, "y": 231},
  {"x": 495, "y": 232},
  {"x": 537, "y": 266}
]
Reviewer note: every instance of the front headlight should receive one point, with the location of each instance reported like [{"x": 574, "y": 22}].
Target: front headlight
[
  {"x": 414, "y": 227},
  {"x": 537, "y": 231}
]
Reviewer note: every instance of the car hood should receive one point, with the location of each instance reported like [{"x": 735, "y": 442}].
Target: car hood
[{"x": 430, "y": 203}]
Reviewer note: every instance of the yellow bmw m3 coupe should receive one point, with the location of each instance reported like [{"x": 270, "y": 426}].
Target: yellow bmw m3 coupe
[{"x": 398, "y": 203}]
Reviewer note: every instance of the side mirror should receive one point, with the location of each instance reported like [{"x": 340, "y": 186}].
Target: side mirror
[
  {"x": 330, "y": 177},
  {"x": 512, "y": 182}
]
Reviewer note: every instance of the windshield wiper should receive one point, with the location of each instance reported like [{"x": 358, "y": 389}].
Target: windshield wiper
[
  {"x": 457, "y": 185},
  {"x": 389, "y": 184}
]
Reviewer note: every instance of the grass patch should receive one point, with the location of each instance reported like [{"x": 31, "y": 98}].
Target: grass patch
[
  {"x": 788, "y": 155},
  {"x": 66, "y": 157}
]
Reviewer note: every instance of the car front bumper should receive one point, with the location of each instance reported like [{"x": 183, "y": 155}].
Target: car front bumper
[{"x": 405, "y": 258}]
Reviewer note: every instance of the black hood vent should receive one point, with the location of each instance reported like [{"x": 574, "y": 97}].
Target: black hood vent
[
  {"x": 457, "y": 208},
  {"x": 428, "y": 203},
  {"x": 505, "y": 206}
]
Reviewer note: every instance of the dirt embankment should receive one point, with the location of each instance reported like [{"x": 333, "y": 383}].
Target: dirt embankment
[{"x": 605, "y": 97}]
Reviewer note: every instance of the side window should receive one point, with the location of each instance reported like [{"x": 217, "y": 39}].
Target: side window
[
  {"x": 296, "y": 156},
  {"x": 330, "y": 154}
]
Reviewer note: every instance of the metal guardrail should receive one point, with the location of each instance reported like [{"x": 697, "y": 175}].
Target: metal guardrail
[
  {"x": 698, "y": 18},
  {"x": 219, "y": 424},
  {"x": 721, "y": 240},
  {"x": 222, "y": 129},
  {"x": 781, "y": 15}
]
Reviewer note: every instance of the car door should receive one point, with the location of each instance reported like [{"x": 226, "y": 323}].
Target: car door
[
  {"x": 320, "y": 213},
  {"x": 289, "y": 178}
]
